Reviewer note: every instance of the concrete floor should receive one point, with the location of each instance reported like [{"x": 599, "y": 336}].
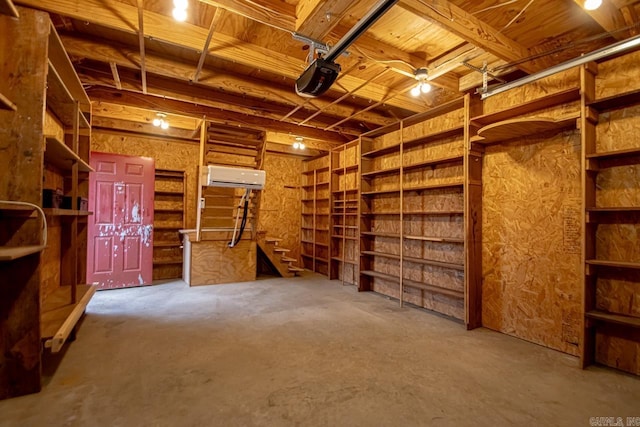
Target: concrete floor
[{"x": 305, "y": 351}]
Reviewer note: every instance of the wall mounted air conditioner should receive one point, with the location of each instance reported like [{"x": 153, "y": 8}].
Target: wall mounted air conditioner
[{"x": 222, "y": 176}]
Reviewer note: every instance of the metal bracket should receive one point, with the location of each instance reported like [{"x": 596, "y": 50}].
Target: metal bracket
[{"x": 485, "y": 75}]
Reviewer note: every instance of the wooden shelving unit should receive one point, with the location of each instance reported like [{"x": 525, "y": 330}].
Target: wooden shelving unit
[
  {"x": 315, "y": 224},
  {"x": 415, "y": 210},
  {"x": 345, "y": 180},
  {"x": 611, "y": 162},
  {"x": 170, "y": 199},
  {"x": 49, "y": 145}
]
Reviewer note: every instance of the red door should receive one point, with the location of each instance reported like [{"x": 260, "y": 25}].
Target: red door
[{"x": 120, "y": 247}]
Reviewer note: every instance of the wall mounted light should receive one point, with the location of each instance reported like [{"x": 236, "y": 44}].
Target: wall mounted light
[
  {"x": 180, "y": 10},
  {"x": 299, "y": 143},
  {"x": 423, "y": 85},
  {"x": 592, "y": 4},
  {"x": 161, "y": 121}
]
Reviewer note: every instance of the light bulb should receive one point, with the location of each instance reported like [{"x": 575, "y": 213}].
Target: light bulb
[
  {"x": 164, "y": 125},
  {"x": 180, "y": 15},
  {"x": 425, "y": 87},
  {"x": 301, "y": 146},
  {"x": 181, "y": 4},
  {"x": 415, "y": 91},
  {"x": 156, "y": 122},
  {"x": 592, "y": 4},
  {"x": 296, "y": 145}
]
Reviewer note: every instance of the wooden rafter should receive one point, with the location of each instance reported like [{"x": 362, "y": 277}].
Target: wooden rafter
[
  {"x": 156, "y": 64},
  {"x": 631, "y": 18},
  {"x": 316, "y": 18},
  {"x": 351, "y": 92},
  {"x": 468, "y": 27},
  {"x": 393, "y": 94},
  {"x": 213, "y": 114},
  {"x": 116, "y": 75},
  {"x": 161, "y": 27},
  {"x": 205, "y": 50},
  {"x": 143, "y": 71},
  {"x": 609, "y": 17},
  {"x": 279, "y": 14}
]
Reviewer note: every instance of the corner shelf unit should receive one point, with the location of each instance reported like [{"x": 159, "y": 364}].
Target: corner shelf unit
[
  {"x": 611, "y": 162},
  {"x": 315, "y": 221},
  {"x": 168, "y": 218},
  {"x": 414, "y": 216},
  {"x": 49, "y": 145},
  {"x": 345, "y": 195}
]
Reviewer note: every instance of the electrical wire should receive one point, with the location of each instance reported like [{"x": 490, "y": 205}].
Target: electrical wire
[
  {"x": 515, "y": 18},
  {"x": 384, "y": 61},
  {"x": 495, "y": 6}
]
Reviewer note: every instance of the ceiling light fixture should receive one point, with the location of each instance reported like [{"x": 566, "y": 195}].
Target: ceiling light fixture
[
  {"x": 423, "y": 86},
  {"x": 180, "y": 10},
  {"x": 592, "y": 4},
  {"x": 160, "y": 121},
  {"x": 299, "y": 144}
]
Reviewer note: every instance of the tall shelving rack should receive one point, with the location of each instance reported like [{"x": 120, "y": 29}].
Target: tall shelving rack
[
  {"x": 345, "y": 196},
  {"x": 169, "y": 217},
  {"x": 611, "y": 162},
  {"x": 315, "y": 222},
  {"x": 48, "y": 141},
  {"x": 420, "y": 212}
]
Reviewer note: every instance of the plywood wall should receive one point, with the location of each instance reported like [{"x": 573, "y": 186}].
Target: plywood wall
[
  {"x": 280, "y": 202},
  {"x": 168, "y": 154}
]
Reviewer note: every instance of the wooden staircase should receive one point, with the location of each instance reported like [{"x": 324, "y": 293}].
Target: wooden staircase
[{"x": 278, "y": 255}]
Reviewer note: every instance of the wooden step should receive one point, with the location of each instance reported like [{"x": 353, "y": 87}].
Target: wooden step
[
  {"x": 295, "y": 269},
  {"x": 287, "y": 259},
  {"x": 272, "y": 240},
  {"x": 283, "y": 250}
]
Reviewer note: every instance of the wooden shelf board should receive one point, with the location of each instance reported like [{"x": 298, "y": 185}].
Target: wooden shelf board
[
  {"x": 65, "y": 212},
  {"x": 7, "y": 8},
  {"x": 157, "y": 244},
  {"x": 379, "y": 192},
  {"x": 612, "y": 155},
  {"x": 433, "y": 288},
  {"x": 167, "y": 261},
  {"x": 61, "y": 101},
  {"x": 175, "y": 193},
  {"x": 167, "y": 227},
  {"x": 617, "y": 102},
  {"x": 306, "y": 255},
  {"x": 5, "y": 103},
  {"x": 59, "y": 316},
  {"x": 307, "y": 241},
  {"x": 435, "y": 136},
  {"x": 435, "y": 239},
  {"x": 337, "y": 236},
  {"x": 176, "y": 210},
  {"x": 434, "y": 162},
  {"x": 435, "y": 186},
  {"x": 59, "y": 58},
  {"x": 346, "y": 261},
  {"x": 381, "y": 213},
  {"x": 614, "y": 209},
  {"x": 165, "y": 173},
  {"x": 9, "y": 253},
  {"x": 348, "y": 190},
  {"x": 376, "y": 234},
  {"x": 324, "y": 245},
  {"x": 346, "y": 201},
  {"x": 344, "y": 170},
  {"x": 382, "y": 151},
  {"x": 379, "y": 275},
  {"x": 435, "y": 213},
  {"x": 381, "y": 172},
  {"x": 548, "y": 101},
  {"x": 345, "y": 214},
  {"x": 517, "y": 128},
  {"x": 381, "y": 255},
  {"x": 22, "y": 208},
  {"x": 618, "y": 319},
  {"x": 614, "y": 264},
  {"x": 58, "y": 154},
  {"x": 449, "y": 265}
]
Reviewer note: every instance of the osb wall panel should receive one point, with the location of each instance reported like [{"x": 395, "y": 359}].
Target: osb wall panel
[
  {"x": 439, "y": 149},
  {"x": 52, "y": 126},
  {"x": 280, "y": 205},
  {"x": 615, "y": 75},
  {"x": 50, "y": 259},
  {"x": 168, "y": 154},
  {"x": 618, "y": 347},
  {"x": 547, "y": 86},
  {"x": 532, "y": 274},
  {"x": 618, "y": 130},
  {"x": 440, "y": 123},
  {"x": 214, "y": 262}
]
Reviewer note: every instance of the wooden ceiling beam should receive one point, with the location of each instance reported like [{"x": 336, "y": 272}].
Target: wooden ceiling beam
[
  {"x": 218, "y": 80},
  {"x": 162, "y": 86},
  {"x": 290, "y": 151},
  {"x": 122, "y": 17},
  {"x": 109, "y": 110},
  {"x": 466, "y": 26},
  {"x": 229, "y": 118},
  {"x": 317, "y": 18},
  {"x": 205, "y": 50},
  {"x": 608, "y": 16},
  {"x": 116, "y": 76},
  {"x": 279, "y": 14},
  {"x": 143, "y": 71},
  {"x": 135, "y": 127},
  {"x": 288, "y": 139}
]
